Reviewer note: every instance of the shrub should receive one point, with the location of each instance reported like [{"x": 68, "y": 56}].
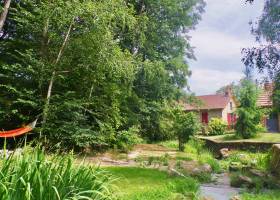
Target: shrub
[
  {"x": 261, "y": 128},
  {"x": 32, "y": 175},
  {"x": 217, "y": 126},
  {"x": 249, "y": 115},
  {"x": 125, "y": 140},
  {"x": 185, "y": 126}
]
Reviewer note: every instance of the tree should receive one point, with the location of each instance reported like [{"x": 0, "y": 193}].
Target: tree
[
  {"x": 266, "y": 57},
  {"x": 249, "y": 115},
  {"x": 185, "y": 125},
  {"x": 4, "y": 13},
  {"x": 94, "y": 68}
]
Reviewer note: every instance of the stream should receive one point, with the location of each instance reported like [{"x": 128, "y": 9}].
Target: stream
[{"x": 220, "y": 189}]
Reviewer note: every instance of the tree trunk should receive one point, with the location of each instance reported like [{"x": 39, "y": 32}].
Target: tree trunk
[
  {"x": 3, "y": 16},
  {"x": 46, "y": 107},
  {"x": 181, "y": 145}
]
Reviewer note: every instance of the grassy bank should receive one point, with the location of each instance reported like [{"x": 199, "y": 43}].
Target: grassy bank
[
  {"x": 262, "y": 137},
  {"x": 32, "y": 175},
  {"x": 151, "y": 184}
]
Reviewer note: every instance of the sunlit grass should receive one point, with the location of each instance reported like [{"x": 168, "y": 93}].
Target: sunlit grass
[
  {"x": 262, "y": 137},
  {"x": 34, "y": 176},
  {"x": 150, "y": 184}
]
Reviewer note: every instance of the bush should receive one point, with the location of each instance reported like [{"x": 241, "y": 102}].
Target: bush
[
  {"x": 261, "y": 128},
  {"x": 217, "y": 126},
  {"x": 185, "y": 126},
  {"x": 249, "y": 115},
  {"x": 32, "y": 175},
  {"x": 125, "y": 140}
]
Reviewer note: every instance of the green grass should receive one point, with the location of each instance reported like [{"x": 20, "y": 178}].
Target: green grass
[
  {"x": 150, "y": 184},
  {"x": 259, "y": 160},
  {"x": 195, "y": 150},
  {"x": 262, "y": 137},
  {"x": 267, "y": 195},
  {"x": 35, "y": 176}
]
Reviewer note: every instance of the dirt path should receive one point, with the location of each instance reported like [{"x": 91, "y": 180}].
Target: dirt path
[{"x": 129, "y": 159}]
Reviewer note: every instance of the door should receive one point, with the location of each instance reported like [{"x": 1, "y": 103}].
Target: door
[
  {"x": 231, "y": 119},
  {"x": 204, "y": 117},
  {"x": 272, "y": 125}
]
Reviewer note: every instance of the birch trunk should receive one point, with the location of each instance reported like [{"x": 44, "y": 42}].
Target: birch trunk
[
  {"x": 46, "y": 107},
  {"x": 3, "y": 15}
]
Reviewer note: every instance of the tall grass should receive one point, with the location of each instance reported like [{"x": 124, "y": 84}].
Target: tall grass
[{"x": 35, "y": 176}]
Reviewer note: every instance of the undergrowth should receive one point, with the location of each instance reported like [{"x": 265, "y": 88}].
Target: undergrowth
[{"x": 31, "y": 175}]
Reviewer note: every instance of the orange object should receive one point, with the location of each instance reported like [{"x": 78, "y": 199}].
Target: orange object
[{"x": 19, "y": 131}]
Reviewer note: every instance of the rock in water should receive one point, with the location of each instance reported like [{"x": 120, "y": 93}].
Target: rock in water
[
  {"x": 224, "y": 153},
  {"x": 275, "y": 159},
  {"x": 235, "y": 198},
  {"x": 244, "y": 180}
]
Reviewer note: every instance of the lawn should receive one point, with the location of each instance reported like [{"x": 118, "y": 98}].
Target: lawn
[
  {"x": 262, "y": 137},
  {"x": 268, "y": 195},
  {"x": 150, "y": 184}
]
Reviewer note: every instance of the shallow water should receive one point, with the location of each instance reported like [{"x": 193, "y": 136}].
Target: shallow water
[{"x": 220, "y": 190}]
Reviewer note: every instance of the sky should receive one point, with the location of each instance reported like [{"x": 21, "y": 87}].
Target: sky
[{"x": 218, "y": 40}]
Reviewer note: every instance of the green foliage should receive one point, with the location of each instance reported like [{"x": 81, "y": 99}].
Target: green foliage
[
  {"x": 268, "y": 195},
  {"x": 257, "y": 160},
  {"x": 33, "y": 175},
  {"x": 185, "y": 126},
  {"x": 153, "y": 184},
  {"x": 125, "y": 140},
  {"x": 265, "y": 57},
  {"x": 217, "y": 126},
  {"x": 112, "y": 73},
  {"x": 249, "y": 115}
]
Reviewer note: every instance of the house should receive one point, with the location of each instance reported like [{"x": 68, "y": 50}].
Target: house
[
  {"x": 272, "y": 121},
  {"x": 215, "y": 106}
]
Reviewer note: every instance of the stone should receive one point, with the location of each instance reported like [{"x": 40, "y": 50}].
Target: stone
[
  {"x": 235, "y": 166},
  {"x": 188, "y": 166},
  {"x": 194, "y": 168},
  {"x": 235, "y": 198},
  {"x": 224, "y": 153},
  {"x": 207, "y": 198},
  {"x": 275, "y": 160},
  {"x": 258, "y": 173},
  {"x": 245, "y": 180},
  {"x": 206, "y": 168}
]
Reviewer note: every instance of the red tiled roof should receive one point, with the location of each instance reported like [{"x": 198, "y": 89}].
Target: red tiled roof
[
  {"x": 265, "y": 98},
  {"x": 215, "y": 101}
]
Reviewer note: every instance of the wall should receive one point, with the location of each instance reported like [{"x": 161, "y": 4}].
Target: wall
[
  {"x": 211, "y": 114},
  {"x": 214, "y": 114},
  {"x": 227, "y": 110},
  {"x": 275, "y": 159},
  {"x": 278, "y": 121}
]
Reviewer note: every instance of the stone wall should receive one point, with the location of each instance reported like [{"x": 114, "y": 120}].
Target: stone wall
[{"x": 275, "y": 159}]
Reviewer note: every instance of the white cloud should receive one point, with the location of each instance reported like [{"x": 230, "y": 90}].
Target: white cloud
[
  {"x": 207, "y": 81},
  {"x": 218, "y": 41},
  {"x": 214, "y": 43}
]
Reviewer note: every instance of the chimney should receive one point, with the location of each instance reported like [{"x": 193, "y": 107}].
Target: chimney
[
  {"x": 228, "y": 92},
  {"x": 267, "y": 86}
]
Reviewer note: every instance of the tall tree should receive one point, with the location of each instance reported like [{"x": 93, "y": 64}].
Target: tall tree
[
  {"x": 4, "y": 13},
  {"x": 94, "y": 68},
  {"x": 267, "y": 29},
  {"x": 266, "y": 57}
]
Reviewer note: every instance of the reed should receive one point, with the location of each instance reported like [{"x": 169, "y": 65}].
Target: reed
[{"x": 32, "y": 175}]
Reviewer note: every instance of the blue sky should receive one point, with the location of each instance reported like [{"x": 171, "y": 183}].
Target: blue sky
[{"x": 218, "y": 39}]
